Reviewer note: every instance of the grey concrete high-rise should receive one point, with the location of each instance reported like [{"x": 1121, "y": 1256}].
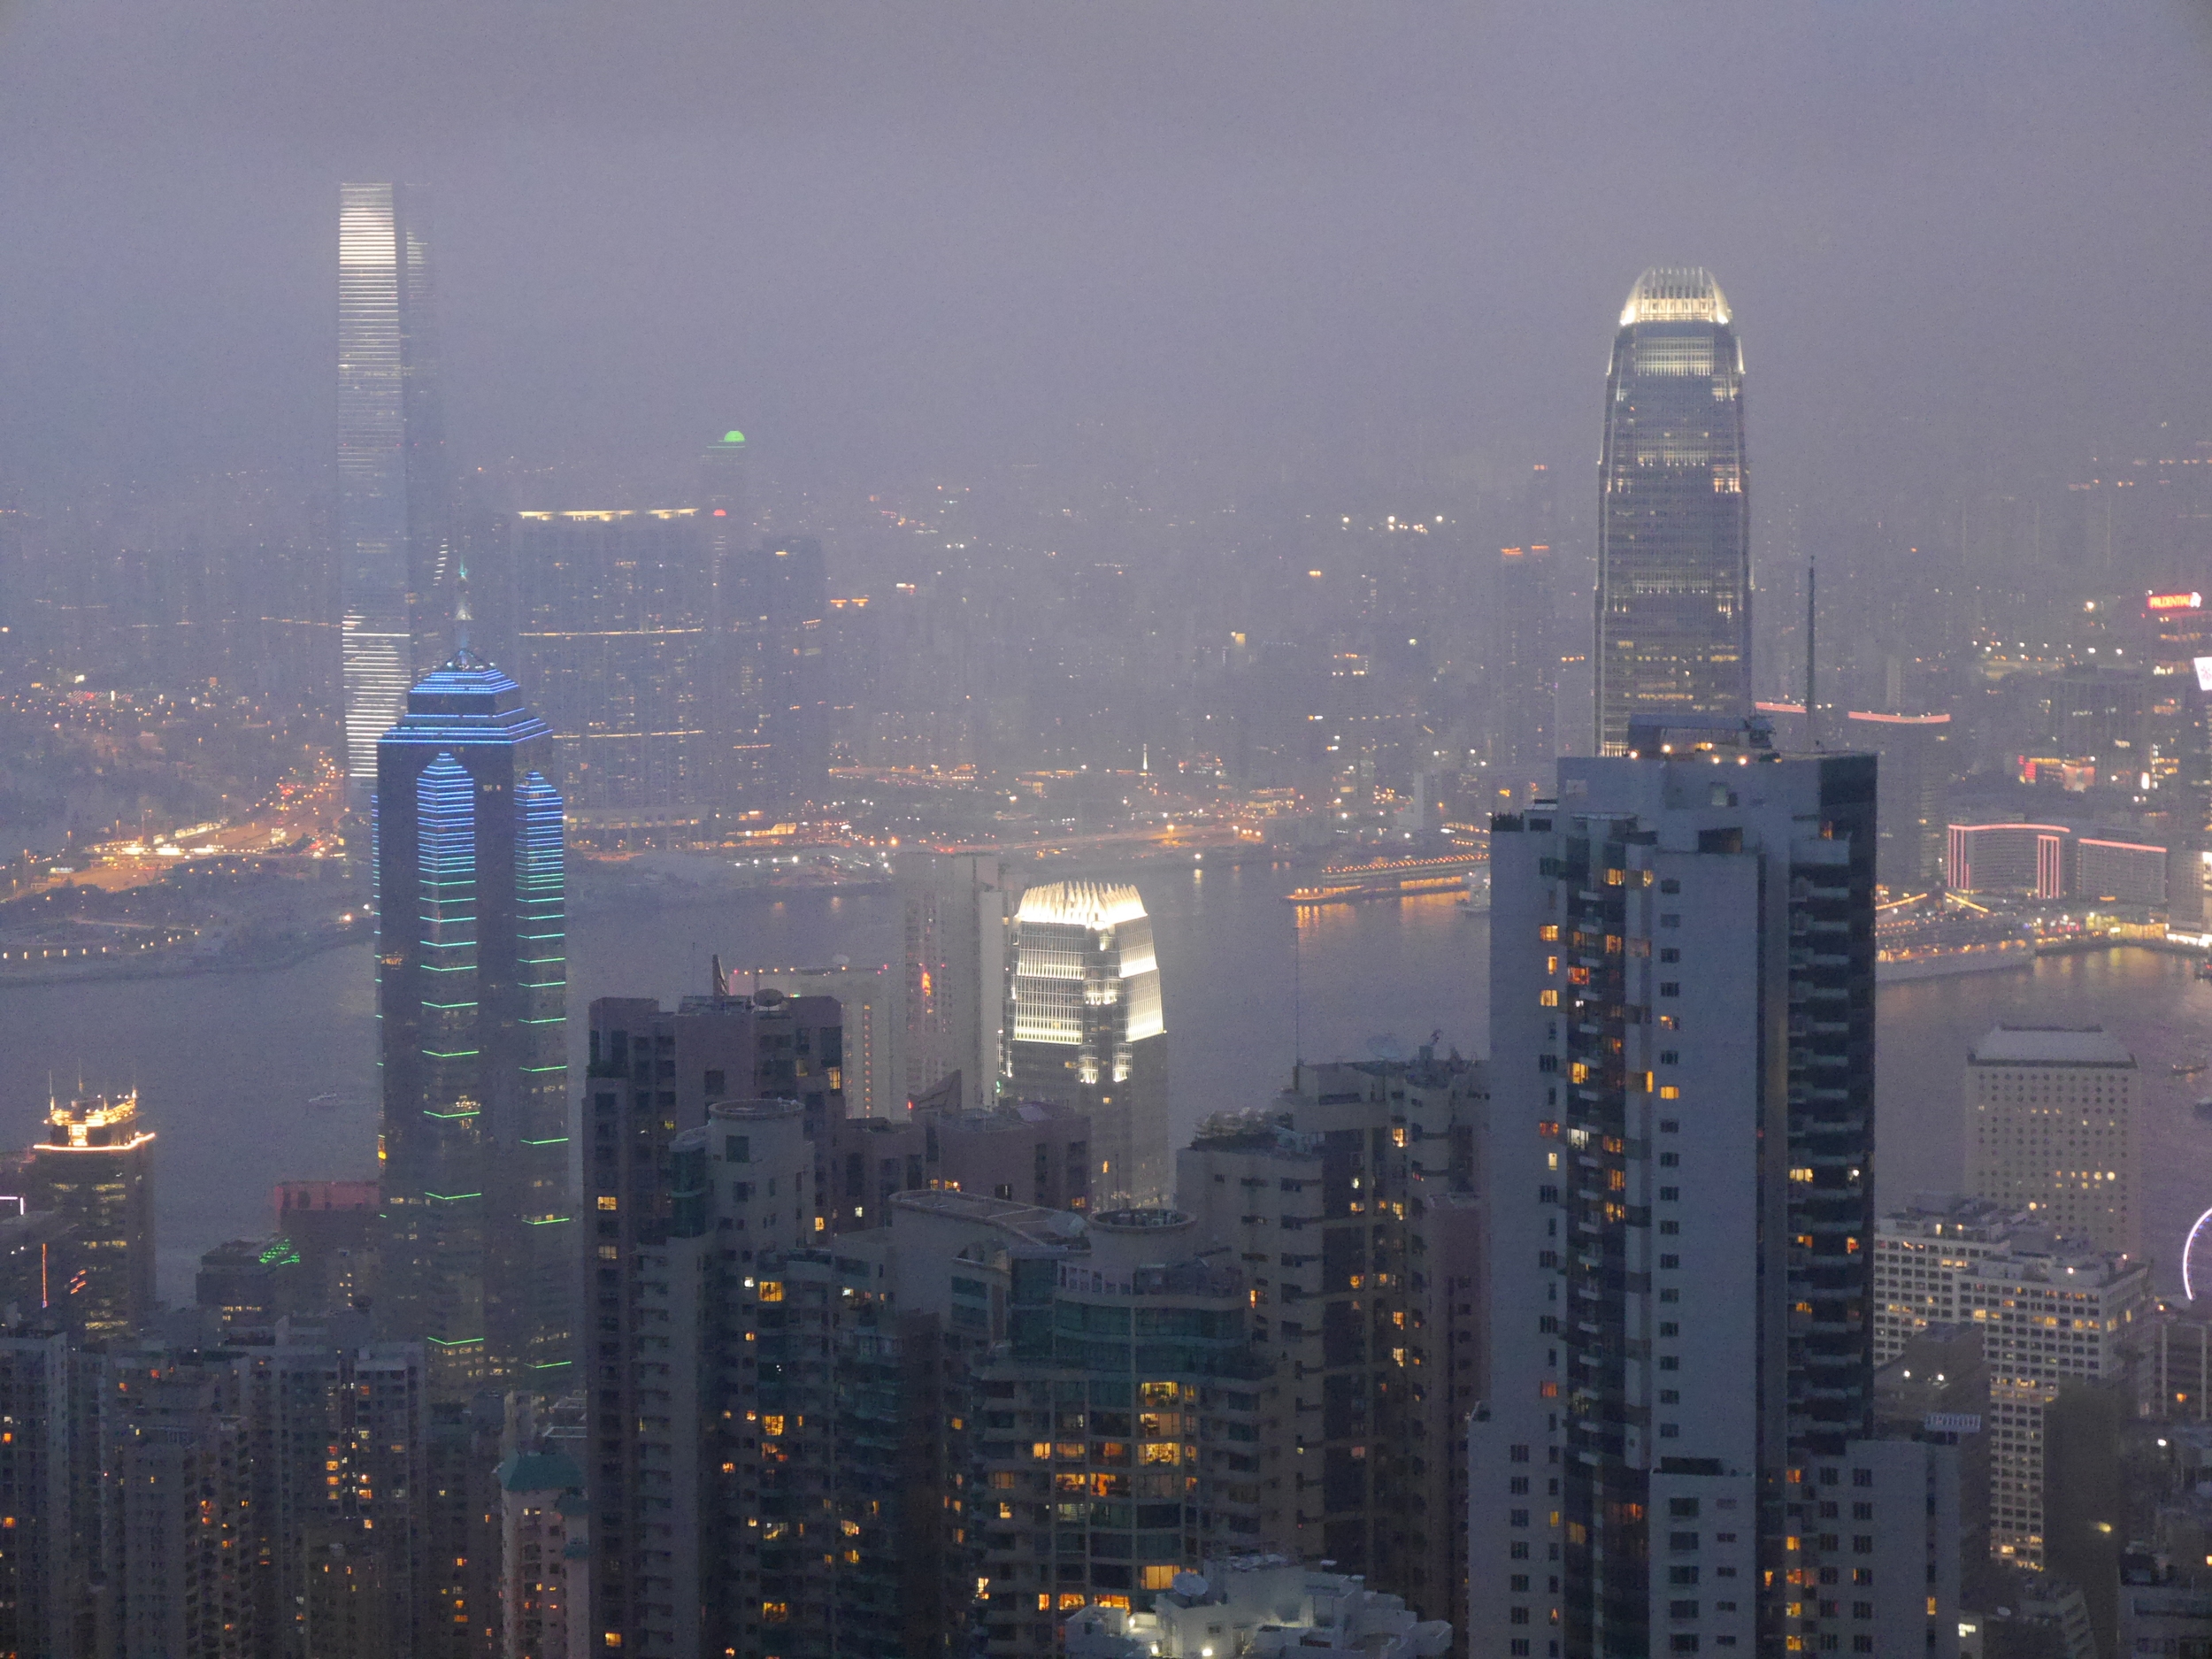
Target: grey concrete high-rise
[
  {"x": 1676, "y": 1451},
  {"x": 393, "y": 480},
  {"x": 956, "y": 920},
  {"x": 1674, "y": 523}
]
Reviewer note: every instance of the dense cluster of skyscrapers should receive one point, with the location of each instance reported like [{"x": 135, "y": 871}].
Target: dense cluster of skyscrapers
[{"x": 839, "y": 1318}]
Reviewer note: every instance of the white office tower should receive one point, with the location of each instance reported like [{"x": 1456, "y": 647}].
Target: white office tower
[
  {"x": 1674, "y": 1456},
  {"x": 1084, "y": 1029},
  {"x": 2051, "y": 1129}
]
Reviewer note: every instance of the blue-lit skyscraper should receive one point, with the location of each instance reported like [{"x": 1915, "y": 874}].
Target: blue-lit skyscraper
[
  {"x": 393, "y": 485},
  {"x": 1674, "y": 522},
  {"x": 471, "y": 988}
]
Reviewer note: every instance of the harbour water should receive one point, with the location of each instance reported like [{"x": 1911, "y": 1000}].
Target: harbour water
[{"x": 227, "y": 1064}]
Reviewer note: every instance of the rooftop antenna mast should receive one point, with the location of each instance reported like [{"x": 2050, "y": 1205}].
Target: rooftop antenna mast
[{"x": 1812, "y": 717}]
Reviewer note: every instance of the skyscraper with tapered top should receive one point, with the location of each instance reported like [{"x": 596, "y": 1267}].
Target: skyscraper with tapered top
[
  {"x": 471, "y": 990},
  {"x": 1085, "y": 1028},
  {"x": 1674, "y": 523},
  {"x": 393, "y": 484}
]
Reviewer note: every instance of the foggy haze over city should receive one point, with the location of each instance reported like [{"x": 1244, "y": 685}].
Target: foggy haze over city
[
  {"x": 1364, "y": 252},
  {"x": 1126, "y": 831}
]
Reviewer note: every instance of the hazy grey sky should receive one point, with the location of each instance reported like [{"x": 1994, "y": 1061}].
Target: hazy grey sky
[{"x": 890, "y": 237}]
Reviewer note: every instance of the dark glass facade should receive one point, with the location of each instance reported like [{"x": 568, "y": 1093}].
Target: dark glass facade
[
  {"x": 616, "y": 609},
  {"x": 1673, "y": 633},
  {"x": 471, "y": 988}
]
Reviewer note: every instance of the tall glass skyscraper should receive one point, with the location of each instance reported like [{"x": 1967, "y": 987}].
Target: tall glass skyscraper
[
  {"x": 471, "y": 988},
  {"x": 1674, "y": 523},
  {"x": 1084, "y": 1029},
  {"x": 392, "y": 479}
]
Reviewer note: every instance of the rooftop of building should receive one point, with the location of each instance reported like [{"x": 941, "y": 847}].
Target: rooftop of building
[
  {"x": 753, "y": 1111},
  {"x": 2043, "y": 1258},
  {"x": 2051, "y": 1044},
  {"x": 541, "y": 1471},
  {"x": 466, "y": 700},
  {"x": 1080, "y": 904},
  {"x": 1057, "y": 1229},
  {"x": 106, "y": 1123},
  {"x": 1952, "y": 1216},
  {"x": 1675, "y": 293},
  {"x": 1253, "y": 1130},
  {"x": 1009, "y": 1116}
]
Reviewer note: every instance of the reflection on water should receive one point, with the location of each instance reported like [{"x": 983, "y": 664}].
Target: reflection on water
[{"x": 228, "y": 1064}]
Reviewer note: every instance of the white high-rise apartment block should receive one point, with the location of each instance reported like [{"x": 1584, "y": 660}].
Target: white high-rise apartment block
[
  {"x": 2049, "y": 1315},
  {"x": 1675, "y": 1455},
  {"x": 1919, "y": 1254},
  {"x": 2051, "y": 1129}
]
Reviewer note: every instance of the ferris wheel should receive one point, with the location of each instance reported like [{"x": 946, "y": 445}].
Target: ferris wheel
[{"x": 2196, "y": 1258}]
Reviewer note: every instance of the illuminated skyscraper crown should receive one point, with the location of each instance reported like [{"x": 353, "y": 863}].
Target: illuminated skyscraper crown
[{"x": 1675, "y": 293}]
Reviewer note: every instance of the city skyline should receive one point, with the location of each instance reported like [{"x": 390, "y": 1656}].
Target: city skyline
[{"x": 1412, "y": 1118}]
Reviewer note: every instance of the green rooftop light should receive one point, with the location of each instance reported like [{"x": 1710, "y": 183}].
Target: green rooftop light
[{"x": 732, "y": 437}]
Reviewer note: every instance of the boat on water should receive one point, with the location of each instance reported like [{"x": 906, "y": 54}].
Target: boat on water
[
  {"x": 323, "y": 1101},
  {"x": 1475, "y": 900},
  {"x": 2188, "y": 1068},
  {"x": 2204, "y": 967}
]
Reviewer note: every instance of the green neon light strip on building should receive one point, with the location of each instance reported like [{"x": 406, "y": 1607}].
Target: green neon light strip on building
[
  {"x": 458, "y": 1341},
  {"x": 558, "y": 1140},
  {"x": 451, "y": 1198},
  {"x": 732, "y": 437}
]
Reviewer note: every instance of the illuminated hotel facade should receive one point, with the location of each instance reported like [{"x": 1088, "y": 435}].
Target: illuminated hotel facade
[
  {"x": 471, "y": 985},
  {"x": 1085, "y": 1028},
  {"x": 393, "y": 485},
  {"x": 94, "y": 1169},
  {"x": 1674, "y": 525}
]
